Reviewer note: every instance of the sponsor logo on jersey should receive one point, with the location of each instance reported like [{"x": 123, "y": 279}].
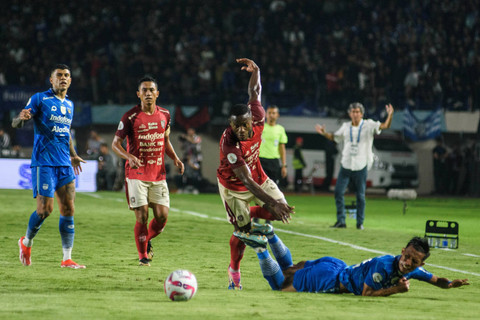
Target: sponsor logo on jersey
[
  {"x": 142, "y": 126},
  {"x": 151, "y": 161},
  {"x": 377, "y": 277},
  {"x": 232, "y": 158},
  {"x": 60, "y": 119},
  {"x": 152, "y": 125},
  {"x": 61, "y": 130},
  {"x": 54, "y": 108},
  {"x": 44, "y": 98},
  {"x": 151, "y": 136},
  {"x": 120, "y": 126}
]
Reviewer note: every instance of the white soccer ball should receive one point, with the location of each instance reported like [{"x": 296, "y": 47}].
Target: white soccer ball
[{"x": 180, "y": 285}]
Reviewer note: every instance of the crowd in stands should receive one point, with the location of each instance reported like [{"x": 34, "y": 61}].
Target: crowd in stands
[{"x": 328, "y": 53}]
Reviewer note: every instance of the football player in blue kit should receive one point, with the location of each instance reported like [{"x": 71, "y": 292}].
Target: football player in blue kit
[
  {"x": 54, "y": 162},
  {"x": 379, "y": 276}
]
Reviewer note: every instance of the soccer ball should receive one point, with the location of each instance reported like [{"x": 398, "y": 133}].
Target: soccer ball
[{"x": 180, "y": 285}]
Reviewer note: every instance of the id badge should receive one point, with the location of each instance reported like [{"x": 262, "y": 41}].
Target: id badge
[{"x": 354, "y": 149}]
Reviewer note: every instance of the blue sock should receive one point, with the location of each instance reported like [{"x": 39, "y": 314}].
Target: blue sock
[
  {"x": 34, "y": 225},
  {"x": 280, "y": 252},
  {"x": 67, "y": 231},
  {"x": 270, "y": 270}
]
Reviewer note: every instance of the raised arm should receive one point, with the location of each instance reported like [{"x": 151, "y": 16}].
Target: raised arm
[
  {"x": 278, "y": 209},
  {"x": 388, "y": 121},
  {"x": 321, "y": 130},
  {"x": 23, "y": 116},
  {"x": 254, "y": 85}
]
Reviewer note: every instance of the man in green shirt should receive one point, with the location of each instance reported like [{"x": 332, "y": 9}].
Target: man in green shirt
[{"x": 272, "y": 150}]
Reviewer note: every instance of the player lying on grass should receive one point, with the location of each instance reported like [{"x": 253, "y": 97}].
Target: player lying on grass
[{"x": 379, "y": 276}]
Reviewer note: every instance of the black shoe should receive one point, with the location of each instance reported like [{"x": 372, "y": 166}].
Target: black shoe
[
  {"x": 360, "y": 227},
  {"x": 149, "y": 250},
  {"x": 144, "y": 262},
  {"x": 339, "y": 225}
]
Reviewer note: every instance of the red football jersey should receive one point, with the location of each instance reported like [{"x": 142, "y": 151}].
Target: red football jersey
[
  {"x": 145, "y": 135},
  {"x": 235, "y": 153}
]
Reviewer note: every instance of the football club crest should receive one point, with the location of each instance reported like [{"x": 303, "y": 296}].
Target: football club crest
[
  {"x": 63, "y": 109},
  {"x": 232, "y": 158},
  {"x": 45, "y": 186},
  {"x": 162, "y": 123}
]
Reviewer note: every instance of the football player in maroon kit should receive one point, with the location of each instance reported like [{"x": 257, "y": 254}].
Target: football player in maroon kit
[
  {"x": 241, "y": 178},
  {"x": 147, "y": 128}
]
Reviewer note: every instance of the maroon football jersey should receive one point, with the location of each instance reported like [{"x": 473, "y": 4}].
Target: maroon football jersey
[
  {"x": 235, "y": 153},
  {"x": 145, "y": 135}
]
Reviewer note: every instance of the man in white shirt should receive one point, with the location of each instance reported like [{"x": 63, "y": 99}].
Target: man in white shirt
[{"x": 357, "y": 157}]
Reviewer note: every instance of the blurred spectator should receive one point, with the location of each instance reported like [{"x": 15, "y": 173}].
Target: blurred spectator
[
  {"x": 440, "y": 174},
  {"x": 4, "y": 143},
  {"x": 357, "y": 37},
  {"x": 298, "y": 164},
  {"x": 106, "y": 168},
  {"x": 192, "y": 148},
  {"x": 93, "y": 144}
]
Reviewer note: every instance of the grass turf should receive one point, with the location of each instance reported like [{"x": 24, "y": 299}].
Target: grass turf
[{"x": 196, "y": 238}]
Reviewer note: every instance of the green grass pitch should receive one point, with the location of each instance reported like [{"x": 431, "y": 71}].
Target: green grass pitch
[{"x": 196, "y": 238}]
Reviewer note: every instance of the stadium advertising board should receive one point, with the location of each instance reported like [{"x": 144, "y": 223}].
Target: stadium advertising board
[{"x": 16, "y": 174}]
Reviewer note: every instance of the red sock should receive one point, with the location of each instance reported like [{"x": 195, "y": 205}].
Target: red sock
[
  {"x": 237, "y": 247},
  {"x": 260, "y": 212},
  {"x": 141, "y": 233},
  {"x": 155, "y": 228}
]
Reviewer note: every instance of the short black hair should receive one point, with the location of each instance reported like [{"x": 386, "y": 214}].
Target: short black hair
[
  {"x": 421, "y": 245},
  {"x": 61, "y": 67},
  {"x": 272, "y": 106},
  {"x": 239, "y": 110},
  {"x": 147, "y": 78}
]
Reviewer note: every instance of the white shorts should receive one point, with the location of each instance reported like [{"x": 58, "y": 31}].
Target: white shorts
[
  {"x": 141, "y": 193},
  {"x": 237, "y": 203}
]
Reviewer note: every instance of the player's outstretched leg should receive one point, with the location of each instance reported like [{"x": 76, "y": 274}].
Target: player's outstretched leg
[
  {"x": 67, "y": 233},
  {"x": 270, "y": 269},
  {"x": 280, "y": 251}
]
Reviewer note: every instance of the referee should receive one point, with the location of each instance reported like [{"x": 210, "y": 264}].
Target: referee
[{"x": 272, "y": 150}]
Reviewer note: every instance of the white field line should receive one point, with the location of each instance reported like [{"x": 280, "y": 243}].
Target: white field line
[{"x": 205, "y": 216}]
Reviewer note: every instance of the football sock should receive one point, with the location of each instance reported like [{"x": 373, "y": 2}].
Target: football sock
[
  {"x": 260, "y": 212},
  {"x": 34, "y": 225},
  {"x": 237, "y": 248},
  {"x": 67, "y": 233},
  {"x": 270, "y": 270},
  {"x": 280, "y": 252},
  {"x": 155, "y": 228},
  {"x": 141, "y": 233}
]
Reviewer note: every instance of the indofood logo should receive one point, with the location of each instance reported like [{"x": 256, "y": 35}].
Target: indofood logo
[
  {"x": 60, "y": 119},
  {"x": 151, "y": 136}
]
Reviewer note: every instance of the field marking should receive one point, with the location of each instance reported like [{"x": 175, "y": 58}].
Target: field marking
[{"x": 354, "y": 246}]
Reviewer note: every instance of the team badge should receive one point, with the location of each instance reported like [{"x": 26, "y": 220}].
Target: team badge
[
  {"x": 162, "y": 123},
  {"x": 132, "y": 200},
  {"x": 63, "y": 109},
  {"x": 377, "y": 277},
  {"x": 45, "y": 186},
  {"x": 232, "y": 158},
  {"x": 120, "y": 125}
]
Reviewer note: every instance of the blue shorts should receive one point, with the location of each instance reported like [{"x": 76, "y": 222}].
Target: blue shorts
[
  {"x": 319, "y": 275},
  {"x": 46, "y": 180}
]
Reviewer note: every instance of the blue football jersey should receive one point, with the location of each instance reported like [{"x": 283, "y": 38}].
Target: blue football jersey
[
  {"x": 378, "y": 273},
  {"x": 52, "y": 118}
]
